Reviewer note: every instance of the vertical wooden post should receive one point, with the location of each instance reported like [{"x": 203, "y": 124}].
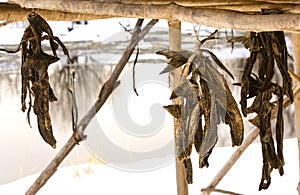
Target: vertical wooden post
[
  {"x": 175, "y": 44},
  {"x": 296, "y": 48}
]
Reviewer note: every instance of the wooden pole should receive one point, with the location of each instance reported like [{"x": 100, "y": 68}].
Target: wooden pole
[
  {"x": 175, "y": 44},
  {"x": 296, "y": 48}
]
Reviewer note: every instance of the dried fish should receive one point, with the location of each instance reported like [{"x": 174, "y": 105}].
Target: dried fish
[
  {"x": 268, "y": 49},
  {"x": 175, "y": 110},
  {"x": 34, "y": 71},
  {"x": 189, "y": 170},
  {"x": 38, "y": 25},
  {"x": 41, "y": 109},
  {"x": 176, "y": 58},
  {"x": 207, "y": 101}
]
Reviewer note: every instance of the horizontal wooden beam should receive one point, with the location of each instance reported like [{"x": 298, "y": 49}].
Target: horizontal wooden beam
[
  {"x": 256, "y": 8},
  {"x": 187, "y": 3},
  {"x": 209, "y": 17},
  {"x": 280, "y": 1},
  {"x": 196, "y": 3},
  {"x": 13, "y": 12}
]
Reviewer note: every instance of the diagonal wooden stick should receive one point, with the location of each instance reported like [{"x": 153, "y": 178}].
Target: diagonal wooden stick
[
  {"x": 105, "y": 92},
  {"x": 5, "y": 23},
  {"x": 239, "y": 151},
  {"x": 206, "y": 190},
  {"x": 294, "y": 75}
]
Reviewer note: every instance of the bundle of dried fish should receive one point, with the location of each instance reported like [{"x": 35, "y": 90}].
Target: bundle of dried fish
[
  {"x": 206, "y": 98},
  {"x": 34, "y": 67},
  {"x": 267, "y": 49}
]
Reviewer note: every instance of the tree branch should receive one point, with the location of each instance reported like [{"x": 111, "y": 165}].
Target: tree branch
[
  {"x": 105, "y": 92},
  {"x": 209, "y": 17}
]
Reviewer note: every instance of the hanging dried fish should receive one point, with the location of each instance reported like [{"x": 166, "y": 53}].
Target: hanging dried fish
[
  {"x": 222, "y": 104},
  {"x": 174, "y": 110},
  {"x": 41, "y": 109},
  {"x": 189, "y": 173},
  {"x": 207, "y": 96},
  {"x": 34, "y": 71},
  {"x": 268, "y": 49},
  {"x": 176, "y": 58}
]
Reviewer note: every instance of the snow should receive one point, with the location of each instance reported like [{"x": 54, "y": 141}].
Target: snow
[{"x": 244, "y": 177}]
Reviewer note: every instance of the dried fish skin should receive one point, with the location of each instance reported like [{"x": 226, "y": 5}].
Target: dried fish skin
[
  {"x": 198, "y": 136},
  {"x": 268, "y": 49},
  {"x": 206, "y": 102},
  {"x": 281, "y": 61},
  {"x": 181, "y": 141},
  {"x": 38, "y": 25},
  {"x": 194, "y": 122},
  {"x": 279, "y": 134},
  {"x": 218, "y": 62},
  {"x": 189, "y": 170},
  {"x": 185, "y": 133},
  {"x": 176, "y": 59},
  {"x": 245, "y": 81},
  {"x": 266, "y": 178},
  {"x": 34, "y": 71},
  {"x": 174, "y": 110},
  {"x": 217, "y": 104},
  {"x": 41, "y": 109},
  {"x": 210, "y": 135},
  {"x": 233, "y": 118},
  {"x": 186, "y": 90},
  {"x": 227, "y": 109},
  {"x": 203, "y": 160},
  {"x": 245, "y": 40}
]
